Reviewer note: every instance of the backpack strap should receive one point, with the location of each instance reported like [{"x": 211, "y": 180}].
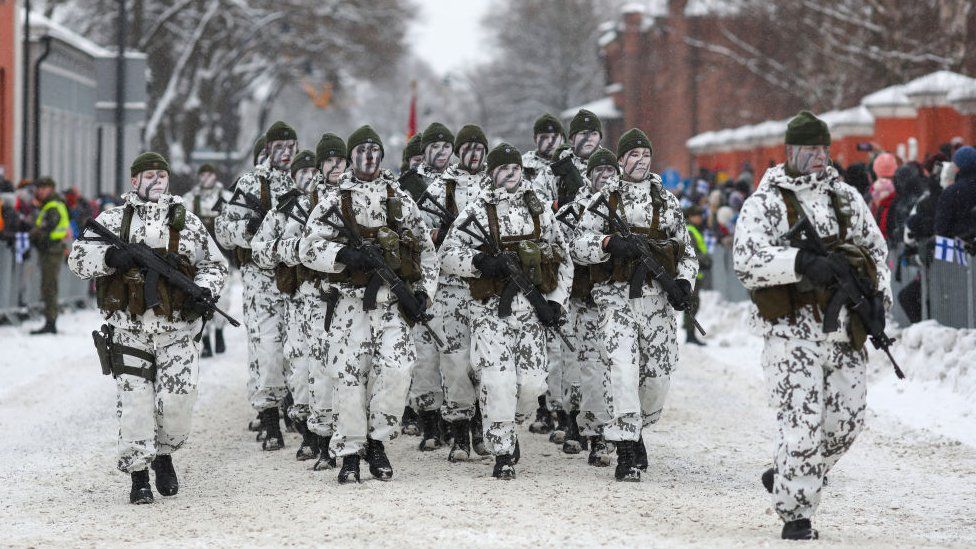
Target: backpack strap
[
  {"x": 127, "y": 214},
  {"x": 449, "y": 199},
  {"x": 265, "y": 193},
  {"x": 346, "y": 208}
]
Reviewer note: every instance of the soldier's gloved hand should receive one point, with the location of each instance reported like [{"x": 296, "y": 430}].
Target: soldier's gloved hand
[
  {"x": 489, "y": 265},
  {"x": 119, "y": 259},
  {"x": 878, "y": 311},
  {"x": 354, "y": 259},
  {"x": 550, "y": 314},
  {"x": 620, "y": 248},
  {"x": 253, "y": 224},
  {"x": 415, "y": 311},
  {"x": 818, "y": 269},
  {"x": 199, "y": 306},
  {"x": 681, "y": 302}
]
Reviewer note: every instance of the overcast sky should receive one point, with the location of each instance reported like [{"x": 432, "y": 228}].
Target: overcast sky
[{"x": 448, "y": 33}]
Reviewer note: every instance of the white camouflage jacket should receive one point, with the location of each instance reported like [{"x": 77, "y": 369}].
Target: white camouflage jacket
[
  {"x": 762, "y": 258},
  {"x": 546, "y": 184},
  {"x": 208, "y": 199},
  {"x": 467, "y": 188},
  {"x": 231, "y": 224},
  {"x": 637, "y": 201},
  {"x": 150, "y": 224},
  {"x": 320, "y": 242},
  {"x": 514, "y": 218},
  {"x": 533, "y": 163}
]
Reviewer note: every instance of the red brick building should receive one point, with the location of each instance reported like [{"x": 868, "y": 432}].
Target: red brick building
[
  {"x": 672, "y": 89},
  {"x": 8, "y": 86}
]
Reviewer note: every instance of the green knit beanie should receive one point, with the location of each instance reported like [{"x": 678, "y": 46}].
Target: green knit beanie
[
  {"x": 547, "y": 123},
  {"x": 602, "y": 156},
  {"x": 436, "y": 132},
  {"x": 632, "y": 139},
  {"x": 304, "y": 159},
  {"x": 502, "y": 154},
  {"x": 207, "y": 168},
  {"x": 470, "y": 133},
  {"x": 585, "y": 120},
  {"x": 279, "y": 131},
  {"x": 365, "y": 134},
  {"x": 258, "y": 148},
  {"x": 329, "y": 145},
  {"x": 415, "y": 147},
  {"x": 807, "y": 129},
  {"x": 148, "y": 161}
]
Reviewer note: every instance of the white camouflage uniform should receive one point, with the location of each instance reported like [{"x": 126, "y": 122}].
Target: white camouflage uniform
[
  {"x": 508, "y": 354},
  {"x": 264, "y": 306},
  {"x": 369, "y": 354},
  {"x": 204, "y": 209},
  {"x": 154, "y": 417},
  {"x": 639, "y": 335},
  {"x": 815, "y": 381},
  {"x": 452, "y": 307}
]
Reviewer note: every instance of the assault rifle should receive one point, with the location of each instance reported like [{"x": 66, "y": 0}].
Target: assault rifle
[
  {"x": 517, "y": 281},
  {"x": 850, "y": 289},
  {"x": 381, "y": 273},
  {"x": 288, "y": 203},
  {"x": 646, "y": 262},
  {"x": 248, "y": 201},
  {"x": 412, "y": 182},
  {"x": 570, "y": 179},
  {"x": 158, "y": 265},
  {"x": 428, "y": 204}
]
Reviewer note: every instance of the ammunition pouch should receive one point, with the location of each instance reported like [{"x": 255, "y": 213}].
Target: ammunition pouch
[
  {"x": 582, "y": 287},
  {"x": 127, "y": 292},
  {"x": 286, "y": 279},
  {"x": 110, "y": 355},
  {"x": 242, "y": 256},
  {"x": 666, "y": 251},
  {"x": 539, "y": 261}
]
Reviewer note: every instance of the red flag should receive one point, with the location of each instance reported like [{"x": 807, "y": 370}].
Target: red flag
[{"x": 412, "y": 121}]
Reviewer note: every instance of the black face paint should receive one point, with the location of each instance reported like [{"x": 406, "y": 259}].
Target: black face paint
[
  {"x": 415, "y": 161},
  {"x": 585, "y": 142},
  {"x": 332, "y": 168},
  {"x": 437, "y": 155},
  {"x": 636, "y": 164},
  {"x": 546, "y": 143},
  {"x": 508, "y": 176},
  {"x": 366, "y": 160},
  {"x": 808, "y": 159},
  {"x": 600, "y": 175},
  {"x": 281, "y": 153},
  {"x": 472, "y": 155},
  {"x": 208, "y": 180},
  {"x": 304, "y": 177},
  {"x": 151, "y": 184}
]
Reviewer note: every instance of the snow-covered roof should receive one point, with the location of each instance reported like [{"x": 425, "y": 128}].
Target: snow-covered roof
[
  {"x": 699, "y": 142},
  {"x": 963, "y": 98},
  {"x": 45, "y": 26},
  {"x": 604, "y": 108},
  {"x": 696, "y": 8},
  {"x": 614, "y": 88},
  {"x": 889, "y": 102},
  {"x": 937, "y": 83},
  {"x": 633, "y": 7},
  {"x": 606, "y": 38},
  {"x": 854, "y": 121}
]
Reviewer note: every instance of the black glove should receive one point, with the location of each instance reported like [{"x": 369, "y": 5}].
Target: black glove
[
  {"x": 818, "y": 269},
  {"x": 253, "y": 224},
  {"x": 620, "y": 248},
  {"x": 878, "y": 318},
  {"x": 550, "y": 314},
  {"x": 489, "y": 265},
  {"x": 681, "y": 301},
  {"x": 119, "y": 259},
  {"x": 415, "y": 311},
  {"x": 199, "y": 306},
  {"x": 355, "y": 260}
]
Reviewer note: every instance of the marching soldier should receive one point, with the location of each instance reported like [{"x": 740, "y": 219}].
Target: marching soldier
[
  {"x": 50, "y": 229},
  {"x": 508, "y": 229},
  {"x": 255, "y": 194},
  {"x": 639, "y": 334},
  {"x": 366, "y": 230},
  {"x": 152, "y": 352},
  {"x": 205, "y": 200},
  {"x": 816, "y": 379},
  {"x": 548, "y": 134}
]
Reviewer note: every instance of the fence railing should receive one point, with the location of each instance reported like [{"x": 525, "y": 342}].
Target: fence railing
[
  {"x": 20, "y": 287},
  {"x": 948, "y": 289}
]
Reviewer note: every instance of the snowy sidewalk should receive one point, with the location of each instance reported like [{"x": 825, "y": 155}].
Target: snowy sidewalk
[{"x": 909, "y": 479}]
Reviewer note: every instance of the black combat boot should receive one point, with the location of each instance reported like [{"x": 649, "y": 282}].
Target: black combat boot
[
  {"x": 379, "y": 464},
  {"x": 325, "y": 461},
  {"x": 627, "y": 470},
  {"x": 270, "y": 424},
  {"x": 574, "y": 442},
  {"x": 516, "y": 453},
  {"x": 140, "y": 492},
  {"x": 206, "y": 352},
  {"x": 166, "y": 481},
  {"x": 461, "y": 448},
  {"x": 641, "y": 455},
  {"x": 309, "y": 448},
  {"x": 408, "y": 425},
  {"x": 558, "y": 434},
  {"x": 692, "y": 338},
  {"x": 219, "y": 346},
  {"x": 543, "y": 418},
  {"x": 767, "y": 479},
  {"x": 601, "y": 453},
  {"x": 446, "y": 433},
  {"x": 430, "y": 423},
  {"x": 350, "y": 468},
  {"x": 49, "y": 327},
  {"x": 504, "y": 468},
  {"x": 477, "y": 434},
  {"x": 286, "y": 404},
  {"x": 799, "y": 530}
]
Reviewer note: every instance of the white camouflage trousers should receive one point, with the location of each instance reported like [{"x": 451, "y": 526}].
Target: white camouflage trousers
[
  {"x": 297, "y": 349},
  {"x": 426, "y": 392},
  {"x": 321, "y": 389},
  {"x": 818, "y": 390},
  {"x": 457, "y": 372},
  {"x": 154, "y": 418},
  {"x": 265, "y": 310},
  {"x": 641, "y": 343},
  {"x": 554, "y": 379},
  {"x": 594, "y": 400},
  {"x": 370, "y": 354},
  {"x": 509, "y": 355}
]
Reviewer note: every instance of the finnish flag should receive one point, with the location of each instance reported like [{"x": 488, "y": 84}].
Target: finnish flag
[
  {"x": 961, "y": 256},
  {"x": 945, "y": 249}
]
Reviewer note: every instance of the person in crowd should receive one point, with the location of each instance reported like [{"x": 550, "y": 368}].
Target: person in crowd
[{"x": 954, "y": 211}]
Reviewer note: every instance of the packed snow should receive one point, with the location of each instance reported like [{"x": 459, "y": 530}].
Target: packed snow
[{"x": 907, "y": 481}]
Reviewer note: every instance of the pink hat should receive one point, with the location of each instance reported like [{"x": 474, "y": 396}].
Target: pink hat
[{"x": 885, "y": 165}]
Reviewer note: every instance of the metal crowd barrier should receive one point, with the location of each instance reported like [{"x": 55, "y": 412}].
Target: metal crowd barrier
[
  {"x": 721, "y": 277},
  {"x": 20, "y": 287}
]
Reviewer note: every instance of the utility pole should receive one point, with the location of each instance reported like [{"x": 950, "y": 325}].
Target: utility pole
[
  {"x": 25, "y": 76},
  {"x": 120, "y": 101}
]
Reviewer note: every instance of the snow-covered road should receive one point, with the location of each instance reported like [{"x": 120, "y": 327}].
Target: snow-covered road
[{"x": 910, "y": 479}]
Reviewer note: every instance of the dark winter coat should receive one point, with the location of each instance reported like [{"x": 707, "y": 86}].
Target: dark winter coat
[
  {"x": 954, "y": 212},
  {"x": 920, "y": 225}
]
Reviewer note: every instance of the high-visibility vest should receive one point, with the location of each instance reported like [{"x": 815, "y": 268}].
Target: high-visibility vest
[
  {"x": 699, "y": 243},
  {"x": 64, "y": 222}
]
